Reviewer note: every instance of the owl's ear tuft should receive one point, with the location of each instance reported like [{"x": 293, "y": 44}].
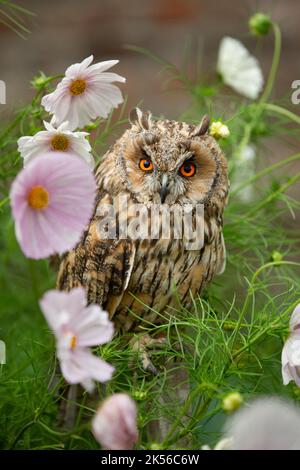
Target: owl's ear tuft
[
  {"x": 141, "y": 118},
  {"x": 202, "y": 128}
]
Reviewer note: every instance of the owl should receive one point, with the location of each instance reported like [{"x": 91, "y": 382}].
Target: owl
[{"x": 140, "y": 280}]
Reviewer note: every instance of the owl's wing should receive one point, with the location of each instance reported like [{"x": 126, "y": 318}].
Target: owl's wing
[
  {"x": 102, "y": 266},
  {"x": 221, "y": 258}
]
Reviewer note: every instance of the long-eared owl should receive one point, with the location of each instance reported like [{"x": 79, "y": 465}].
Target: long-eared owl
[{"x": 158, "y": 163}]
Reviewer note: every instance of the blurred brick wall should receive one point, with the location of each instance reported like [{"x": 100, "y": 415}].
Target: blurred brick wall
[{"x": 66, "y": 31}]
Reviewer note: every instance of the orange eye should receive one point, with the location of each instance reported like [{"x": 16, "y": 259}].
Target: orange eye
[
  {"x": 146, "y": 164},
  {"x": 187, "y": 169}
]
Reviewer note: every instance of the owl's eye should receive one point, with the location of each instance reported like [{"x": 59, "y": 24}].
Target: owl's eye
[
  {"x": 146, "y": 164},
  {"x": 187, "y": 169}
]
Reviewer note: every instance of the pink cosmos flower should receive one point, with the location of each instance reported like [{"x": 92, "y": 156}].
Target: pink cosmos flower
[
  {"x": 290, "y": 357},
  {"x": 53, "y": 139},
  {"x": 85, "y": 93},
  {"x": 52, "y": 201},
  {"x": 114, "y": 425},
  {"x": 76, "y": 327}
]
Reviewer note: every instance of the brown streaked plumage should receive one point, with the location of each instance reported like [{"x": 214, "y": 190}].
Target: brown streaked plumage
[{"x": 135, "y": 279}]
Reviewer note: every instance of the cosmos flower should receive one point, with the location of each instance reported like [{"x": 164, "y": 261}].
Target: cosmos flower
[
  {"x": 290, "y": 357},
  {"x": 53, "y": 139},
  {"x": 239, "y": 69},
  {"x": 244, "y": 170},
  {"x": 114, "y": 425},
  {"x": 76, "y": 327},
  {"x": 218, "y": 130},
  {"x": 265, "y": 424},
  {"x": 85, "y": 93},
  {"x": 52, "y": 201},
  {"x": 222, "y": 444}
]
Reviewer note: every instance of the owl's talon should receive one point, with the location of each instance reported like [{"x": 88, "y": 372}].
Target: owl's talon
[
  {"x": 141, "y": 344},
  {"x": 147, "y": 364}
]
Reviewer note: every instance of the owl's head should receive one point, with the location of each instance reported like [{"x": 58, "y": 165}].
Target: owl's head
[{"x": 171, "y": 162}]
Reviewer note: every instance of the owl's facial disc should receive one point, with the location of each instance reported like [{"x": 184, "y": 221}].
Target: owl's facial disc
[
  {"x": 160, "y": 183},
  {"x": 171, "y": 168}
]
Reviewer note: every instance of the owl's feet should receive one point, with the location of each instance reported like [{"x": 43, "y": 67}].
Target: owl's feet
[{"x": 144, "y": 345}]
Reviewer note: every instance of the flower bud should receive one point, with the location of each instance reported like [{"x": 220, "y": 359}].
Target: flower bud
[
  {"x": 114, "y": 425},
  {"x": 260, "y": 24},
  {"x": 91, "y": 126},
  {"x": 232, "y": 401},
  {"x": 219, "y": 130},
  {"x": 40, "y": 81},
  {"x": 139, "y": 395},
  {"x": 276, "y": 257},
  {"x": 155, "y": 446}
]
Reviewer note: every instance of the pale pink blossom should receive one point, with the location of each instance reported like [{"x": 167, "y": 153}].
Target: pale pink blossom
[
  {"x": 78, "y": 326},
  {"x": 86, "y": 92},
  {"x": 114, "y": 425},
  {"x": 52, "y": 201},
  {"x": 290, "y": 357},
  {"x": 53, "y": 139},
  {"x": 265, "y": 424}
]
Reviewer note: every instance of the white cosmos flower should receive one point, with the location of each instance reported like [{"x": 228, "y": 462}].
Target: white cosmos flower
[
  {"x": 239, "y": 69},
  {"x": 245, "y": 169},
  {"x": 224, "y": 444},
  {"x": 58, "y": 139},
  {"x": 290, "y": 358},
  {"x": 268, "y": 423},
  {"x": 85, "y": 92}
]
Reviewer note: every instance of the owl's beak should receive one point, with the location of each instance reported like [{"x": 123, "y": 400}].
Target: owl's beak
[{"x": 164, "y": 188}]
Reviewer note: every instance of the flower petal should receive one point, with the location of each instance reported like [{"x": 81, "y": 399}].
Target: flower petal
[
  {"x": 59, "y": 307},
  {"x": 79, "y": 110},
  {"x": 266, "y": 424},
  {"x": 70, "y": 184}
]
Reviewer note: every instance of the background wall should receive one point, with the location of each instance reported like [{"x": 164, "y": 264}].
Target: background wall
[{"x": 66, "y": 31}]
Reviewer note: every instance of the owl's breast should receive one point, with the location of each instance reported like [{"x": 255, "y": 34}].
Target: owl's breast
[
  {"x": 167, "y": 275},
  {"x": 163, "y": 272}
]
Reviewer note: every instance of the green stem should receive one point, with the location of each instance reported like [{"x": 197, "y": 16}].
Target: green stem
[
  {"x": 274, "y": 195},
  {"x": 4, "y": 201},
  {"x": 33, "y": 276},
  {"x": 170, "y": 439},
  {"x": 265, "y": 172},
  {"x": 49, "y": 430},
  {"x": 20, "y": 434},
  {"x": 63, "y": 434},
  {"x": 274, "y": 67},
  {"x": 267, "y": 91},
  {"x": 189, "y": 428},
  {"x": 282, "y": 111}
]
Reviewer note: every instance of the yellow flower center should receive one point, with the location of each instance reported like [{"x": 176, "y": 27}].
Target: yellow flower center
[
  {"x": 78, "y": 86},
  {"x": 60, "y": 142},
  {"x": 38, "y": 197},
  {"x": 73, "y": 342}
]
